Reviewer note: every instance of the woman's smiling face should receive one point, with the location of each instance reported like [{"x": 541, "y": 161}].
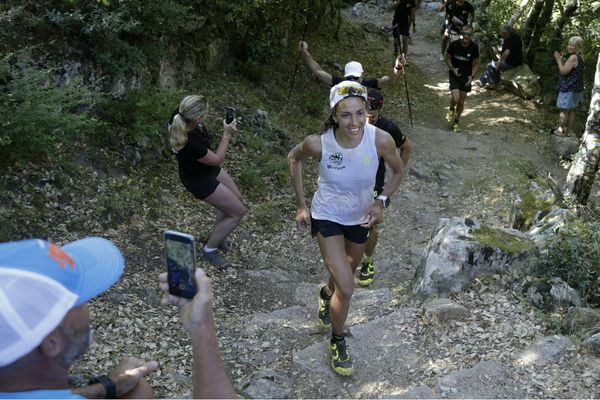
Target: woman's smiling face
[{"x": 351, "y": 116}]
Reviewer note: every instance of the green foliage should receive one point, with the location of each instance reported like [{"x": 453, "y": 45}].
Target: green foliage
[
  {"x": 574, "y": 256},
  {"x": 138, "y": 114},
  {"x": 37, "y": 113},
  {"x": 130, "y": 37}
]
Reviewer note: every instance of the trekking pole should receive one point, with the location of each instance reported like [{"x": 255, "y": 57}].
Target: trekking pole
[
  {"x": 407, "y": 96},
  {"x": 298, "y": 58}
]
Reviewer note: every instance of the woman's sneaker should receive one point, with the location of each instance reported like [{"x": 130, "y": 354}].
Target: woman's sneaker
[
  {"x": 323, "y": 312},
  {"x": 216, "y": 259},
  {"x": 367, "y": 273},
  {"x": 224, "y": 247},
  {"x": 341, "y": 362}
]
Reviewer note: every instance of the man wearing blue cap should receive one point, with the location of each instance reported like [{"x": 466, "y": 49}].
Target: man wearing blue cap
[{"x": 45, "y": 323}]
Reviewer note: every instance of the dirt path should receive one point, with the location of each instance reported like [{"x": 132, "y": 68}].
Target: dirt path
[{"x": 266, "y": 305}]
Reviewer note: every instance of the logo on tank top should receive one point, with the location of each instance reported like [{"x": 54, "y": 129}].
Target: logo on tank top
[
  {"x": 336, "y": 160},
  {"x": 367, "y": 160}
]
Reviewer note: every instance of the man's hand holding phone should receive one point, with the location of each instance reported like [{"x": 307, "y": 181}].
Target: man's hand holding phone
[{"x": 196, "y": 312}]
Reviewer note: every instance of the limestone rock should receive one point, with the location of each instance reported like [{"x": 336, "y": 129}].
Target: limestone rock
[
  {"x": 441, "y": 310},
  {"x": 549, "y": 294},
  {"x": 564, "y": 146},
  {"x": 580, "y": 319},
  {"x": 463, "y": 249},
  {"x": 521, "y": 81},
  {"x": 266, "y": 384},
  {"x": 545, "y": 229},
  {"x": 547, "y": 350},
  {"x": 593, "y": 344},
  {"x": 530, "y": 206}
]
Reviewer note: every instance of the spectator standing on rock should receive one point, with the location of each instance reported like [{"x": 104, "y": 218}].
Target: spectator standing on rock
[
  {"x": 404, "y": 17},
  {"x": 342, "y": 210},
  {"x": 462, "y": 58},
  {"x": 459, "y": 13},
  {"x": 511, "y": 56},
  {"x": 201, "y": 173},
  {"x": 353, "y": 71},
  {"x": 404, "y": 146},
  {"x": 45, "y": 324},
  {"x": 570, "y": 85}
]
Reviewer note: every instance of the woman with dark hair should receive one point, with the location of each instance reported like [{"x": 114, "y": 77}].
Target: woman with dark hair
[
  {"x": 343, "y": 209},
  {"x": 201, "y": 173}
]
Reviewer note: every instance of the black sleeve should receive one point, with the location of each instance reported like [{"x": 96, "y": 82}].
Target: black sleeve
[{"x": 336, "y": 79}]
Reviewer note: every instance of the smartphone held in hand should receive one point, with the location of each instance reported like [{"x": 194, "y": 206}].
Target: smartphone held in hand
[
  {"x": 229, "y": 114},
  {"x": 180, "y": 256}
]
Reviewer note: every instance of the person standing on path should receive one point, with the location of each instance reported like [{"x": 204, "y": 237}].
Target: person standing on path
[
  {"x": 404, "y": 17},
  {"x": 353, "y": 71},
  {"x": 342, "y": 210},
  {"x": 404, "y": 147},
  {"x": 462, "y": 58},
  {"x": 201, "y": 173},
  {"x": 570, "y": 86}
]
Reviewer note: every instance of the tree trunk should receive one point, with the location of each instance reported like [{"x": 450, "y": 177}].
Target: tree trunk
[
  {"x": 518, "y": 13},
  {"x": 565, "y": 17},
  {"x": 580, "y": 178},
  {"x": 532, "y": 18},
  {"x": 540, "y": 26}
]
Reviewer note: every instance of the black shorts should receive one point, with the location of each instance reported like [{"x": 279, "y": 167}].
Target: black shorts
[
  {"x": 401, "y": 30},
  {"x": 354, "y": 233},
  {"x": 459, "y": 82},
  {"x": 203, "y": 187}
]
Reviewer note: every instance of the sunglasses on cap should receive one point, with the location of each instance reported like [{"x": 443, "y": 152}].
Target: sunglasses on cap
[
  {"x": 352, "y": 78},
  {"x": 351, "y": 91}
]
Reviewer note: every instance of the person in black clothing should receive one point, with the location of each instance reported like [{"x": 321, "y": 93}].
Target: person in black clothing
[
  {"x": 404, "y": 147},
  {"x": 511, "y": 56},
  {"x": 404, "y": 17},
  {"x": 201, "y": 174},
  {"x": 352, "y": 71},
  {"x": 462, "y": 58},
  {"x": 459, "y": 13}
]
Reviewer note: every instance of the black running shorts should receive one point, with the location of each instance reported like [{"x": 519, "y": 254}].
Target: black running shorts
[
  {"x": 354, "y": 233},
  {"x": 459, "y": 82},
  {"x": 203, "y": 187}
]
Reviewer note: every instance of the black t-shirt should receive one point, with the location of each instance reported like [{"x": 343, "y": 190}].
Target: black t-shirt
[
  {"x": 462, "y": 56},
  {"x": 196, "y": 148},
  {"x": 402, "y": 12},
  {"x": 515, "y": 45},
  {"x": 459, "y": 15},
  {"x": 390, "y": 127},
  {"x": 370, "y": 83}
]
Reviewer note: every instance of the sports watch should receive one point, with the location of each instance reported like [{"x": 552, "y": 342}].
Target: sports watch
[{"x": 384, "y": 199}]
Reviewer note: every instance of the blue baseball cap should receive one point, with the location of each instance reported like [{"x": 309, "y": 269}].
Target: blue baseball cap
[{"x": 40, "y": 282}]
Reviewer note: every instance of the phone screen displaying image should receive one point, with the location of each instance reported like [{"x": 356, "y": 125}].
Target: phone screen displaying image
[{"x": 180, "y": 254}]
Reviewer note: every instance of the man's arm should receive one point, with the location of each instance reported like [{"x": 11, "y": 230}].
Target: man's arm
[
  {"x": 209, "y": 379},
  {"x": 503, "y": 57},
  {"x": 398, "y": 65},
  {"x": 128, "y": 378},
  {"x": 313, "y": 65}
]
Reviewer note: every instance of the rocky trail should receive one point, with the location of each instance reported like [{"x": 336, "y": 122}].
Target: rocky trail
[{"x": 487, "y": 343}]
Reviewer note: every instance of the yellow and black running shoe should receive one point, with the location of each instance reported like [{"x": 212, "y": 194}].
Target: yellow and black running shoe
[
  {"x": 367, "y": 273},
  {"x": 323, "y": 313},
  {"x": 450, "y": 115},
  {"x": 341, "y": 362}
]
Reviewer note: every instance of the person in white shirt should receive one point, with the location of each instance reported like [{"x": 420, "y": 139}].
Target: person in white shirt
[{"x": 343, "y": 210}]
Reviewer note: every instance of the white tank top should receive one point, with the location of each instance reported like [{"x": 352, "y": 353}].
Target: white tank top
[{"x": 346, "y": 179}]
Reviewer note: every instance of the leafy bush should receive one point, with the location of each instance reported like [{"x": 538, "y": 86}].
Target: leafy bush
[
  {"x": 574, "y": 256},
  {"x": 37, "y": 113}
]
